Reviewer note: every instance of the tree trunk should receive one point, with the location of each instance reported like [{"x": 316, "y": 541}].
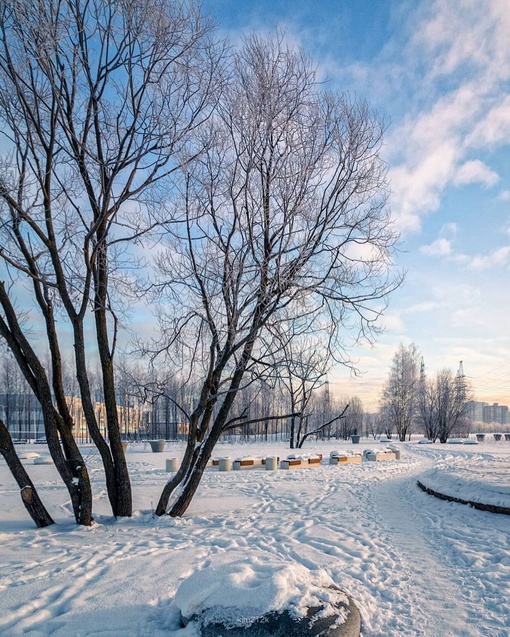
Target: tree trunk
[
  {"x": 181, "y": 504},
  {"x": 177, "y": 479},
  {"x": 72, "y": 468},
  {"x": 28, "y": 492},
  {"x": 123, "y": 505}
]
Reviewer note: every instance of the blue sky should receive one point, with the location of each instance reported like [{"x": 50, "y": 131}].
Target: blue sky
[{"x": 439, "y": 72}]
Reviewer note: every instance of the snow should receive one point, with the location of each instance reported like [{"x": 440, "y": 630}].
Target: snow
[
  {"x": 237, "y": 593},
  {"x": 258, "y": 540}
]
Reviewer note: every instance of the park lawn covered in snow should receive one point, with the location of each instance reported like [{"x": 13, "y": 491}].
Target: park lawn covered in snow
[{"x": 264, "y": 540}]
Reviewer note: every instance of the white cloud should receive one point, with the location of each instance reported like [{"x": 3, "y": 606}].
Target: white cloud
[
  {"x": 504, "y": 195},
  {"x": 494, "y": 129},
  {"x": 463, "y": 46},
  {"x": 475, "y": 171},
  {"x": 421, "y": 308},
  {"x": 439, "y": 248},
  {"x": 442, "y": 246},
  {"x": 497, "y": 258},
  {"x": 466, "y": 33},
  {"x": 417, "y": 188},
  {"x": 393, "y": 322}
]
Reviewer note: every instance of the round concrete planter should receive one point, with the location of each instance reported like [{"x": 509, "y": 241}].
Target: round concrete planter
[
  {"x": 157, "y": 446},
  {"x": 225, "y": 464},
  {"x": 272, "y": 463},
  {"x": 172, "y": 465}
]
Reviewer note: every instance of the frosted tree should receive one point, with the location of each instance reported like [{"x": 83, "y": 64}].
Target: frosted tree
[
  {"x": 97, "y": 102},
  {"x": 400, "y": 393},
  {"x": 452, "y": 394},
  {"x": 284, "y": 219}
]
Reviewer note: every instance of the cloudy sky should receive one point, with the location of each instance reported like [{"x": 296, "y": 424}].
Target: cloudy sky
[{"x": 439, "y": 72}]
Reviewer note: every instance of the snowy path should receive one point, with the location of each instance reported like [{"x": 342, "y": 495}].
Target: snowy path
[
  {"x": 415, "y": 565},
  {"x": 427, "y": 577}
]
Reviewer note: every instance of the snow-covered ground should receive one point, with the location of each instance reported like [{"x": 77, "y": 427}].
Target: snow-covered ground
[{"x": 415, "y": 565}]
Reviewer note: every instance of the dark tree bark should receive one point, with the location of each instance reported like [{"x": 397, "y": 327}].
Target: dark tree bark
[
  {"x": 67, "y": 457},
  {"x": 28, "y": 492}
]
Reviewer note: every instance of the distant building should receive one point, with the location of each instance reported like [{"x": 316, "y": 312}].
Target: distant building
[
  {"x": 495, "y": 413},
  {"x": 23, "y": 417},
  {"x": 483, "y": 412}
]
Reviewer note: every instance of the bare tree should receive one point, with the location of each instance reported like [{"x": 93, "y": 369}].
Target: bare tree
[
  {"x": 452, "y": 396},
  {"x": 427, "y": 406},
  {"x": 401, "y": 390},
  {"x": 285, "y": 221},
  {"x": 97, "y": 101},
  {"x": 353, "y": 421},
  {"x": 302, "y": 371},
  {"x": 443, "y": 402}
]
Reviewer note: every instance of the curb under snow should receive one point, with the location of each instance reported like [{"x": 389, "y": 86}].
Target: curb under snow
[{"x": 493, "y": 508}]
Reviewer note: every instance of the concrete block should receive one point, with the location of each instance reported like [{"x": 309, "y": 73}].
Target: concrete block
[
  {"x": 271, "y": 463},
  {"x": 225, "y": 464},
  {"x": 172, "y": 465}
]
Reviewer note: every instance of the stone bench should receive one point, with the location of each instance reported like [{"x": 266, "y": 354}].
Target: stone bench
[
  {"x": 379, "y": 456},
  {"x": 292, "y": 463},
  {"x": 344, "y": 458},
  {"x": 301, "y": 462},
  {"x": 247, "y": 463}
]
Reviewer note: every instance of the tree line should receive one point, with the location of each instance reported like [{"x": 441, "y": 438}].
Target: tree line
[{"x": 412, "y": 401}]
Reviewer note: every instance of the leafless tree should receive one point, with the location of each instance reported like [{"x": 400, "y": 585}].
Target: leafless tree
[
  {"x": 97, "y": 102},
  {"x": 285, "y": 220},
  {"x": 443, "y": 402},
  {"x": 452, "y": 395},
  {"x": 427, "y": 406},
  {"x": 353, "y": 421},
  {"x": 400, "y": 392},
  {"x": 302, "y": 371}
]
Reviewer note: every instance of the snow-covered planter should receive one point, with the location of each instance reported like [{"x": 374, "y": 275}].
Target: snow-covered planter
[
  {"x": 261, "y": 598},
  {"x": 271, "y": 463},
  {"x": 225, "y": 464}
]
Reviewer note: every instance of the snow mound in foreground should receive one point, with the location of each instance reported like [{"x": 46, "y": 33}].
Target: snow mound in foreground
[{"x": 238, "y": 593}]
